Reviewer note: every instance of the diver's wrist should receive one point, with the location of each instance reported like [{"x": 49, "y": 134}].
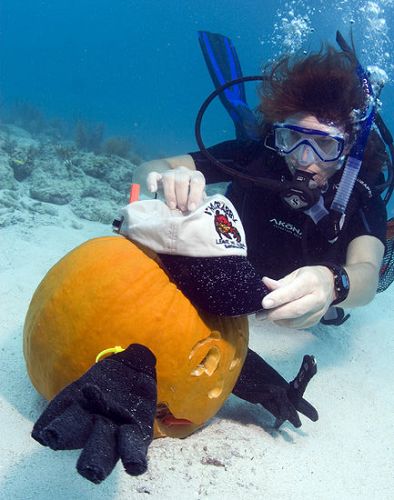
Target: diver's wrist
[{"x": 341, "y": 282}]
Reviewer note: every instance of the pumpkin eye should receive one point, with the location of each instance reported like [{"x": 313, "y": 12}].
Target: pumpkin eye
[
  {"x": 216, "y": 391},
  {"x": 208, "y": 364}
]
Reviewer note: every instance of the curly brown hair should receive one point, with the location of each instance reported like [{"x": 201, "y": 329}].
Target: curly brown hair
[{"x": 324, "y": 84}]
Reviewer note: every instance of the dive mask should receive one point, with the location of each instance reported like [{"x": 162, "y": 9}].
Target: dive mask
[{"x": 309, "y": 145}]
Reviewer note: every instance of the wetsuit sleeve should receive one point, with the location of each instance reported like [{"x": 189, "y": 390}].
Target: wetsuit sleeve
[
  {"x": 370, "y": 220},
  {"x": 235, "y": 154}
]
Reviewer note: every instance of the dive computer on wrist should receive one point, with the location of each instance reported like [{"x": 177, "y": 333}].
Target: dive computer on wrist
[{"x": 341, "y": 282}]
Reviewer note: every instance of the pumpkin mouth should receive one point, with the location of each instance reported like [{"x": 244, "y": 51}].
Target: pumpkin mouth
[{"x": 165, "y": 417}]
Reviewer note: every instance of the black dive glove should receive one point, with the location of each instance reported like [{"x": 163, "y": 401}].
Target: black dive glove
[
  {"x": 108, "y": 412},
  {"x": 260, "y": 383}
]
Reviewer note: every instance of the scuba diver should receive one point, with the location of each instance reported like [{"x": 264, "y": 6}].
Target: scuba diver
[{"x": 305, "y": 176}]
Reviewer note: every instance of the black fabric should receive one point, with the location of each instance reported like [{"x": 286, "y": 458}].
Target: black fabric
[
  {"x": 225, "y": 286},
  {"x": 387, "y": 270},
  {"x": 335, "y": 317},
  {"x": 108, "y": 412},
  {"x": 279, "y": 239},
  {"x": 259, "y": 383}
]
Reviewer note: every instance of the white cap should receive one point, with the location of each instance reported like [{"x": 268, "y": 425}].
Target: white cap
[
  {"x": 203, "y": 252},
  {"x": 212, "y": 230}
]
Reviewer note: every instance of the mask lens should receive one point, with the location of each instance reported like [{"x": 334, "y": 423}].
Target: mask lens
[
  {"x": 287, "y": 139},
  {"x": 290, "y": 137},
  {"x": 328, "y": 145}
]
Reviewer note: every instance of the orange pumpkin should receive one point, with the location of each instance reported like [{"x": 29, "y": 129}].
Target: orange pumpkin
[{"x": 110, "y": 292}]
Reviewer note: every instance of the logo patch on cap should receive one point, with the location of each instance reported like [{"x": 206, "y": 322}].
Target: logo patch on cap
[{"x": 225, "y": 225}]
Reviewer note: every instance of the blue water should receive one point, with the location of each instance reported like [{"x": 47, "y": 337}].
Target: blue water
[{"x": 136, "y": 66}]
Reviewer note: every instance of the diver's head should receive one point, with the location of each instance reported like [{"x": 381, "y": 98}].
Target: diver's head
[
  {"x": 311, "y": 145},
  {"x": 312, "y": 101},
  {"x": 323, "y": 84}
]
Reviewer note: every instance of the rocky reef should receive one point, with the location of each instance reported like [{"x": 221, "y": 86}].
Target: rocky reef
[{"x": 47, "y": 181}]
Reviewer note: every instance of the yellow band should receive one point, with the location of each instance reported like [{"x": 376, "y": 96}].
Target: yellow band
[{"x": 110, "y": 350}]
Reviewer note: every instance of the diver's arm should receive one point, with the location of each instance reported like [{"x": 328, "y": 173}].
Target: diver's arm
[
  {"x": 363, "y": 261},
  {"x": 300, "y": 299},
  {"x": 182, "y": 184}
]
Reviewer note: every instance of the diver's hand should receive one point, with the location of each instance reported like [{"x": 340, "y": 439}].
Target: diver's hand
[
  {"x": 183, "y": 188},
  {"x": 108, "y": 412},
  {"x": 300, "y": 299}
]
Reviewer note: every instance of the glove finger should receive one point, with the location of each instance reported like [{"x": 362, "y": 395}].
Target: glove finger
[
  {"x": 100, "y": 454},
  {"x": 95, "y": 399},
  {"x": 133, "y": 448},
  {"x": 288, "y": 412},
  {"x": 304, "y": 407},
  {"x": 69, "y": 431},
  {"x": 55, "y": 408},
  {"x": 283, "y": 412},
  {"x": 104, "y": 405},
  {"x": 282, "y": 409}
]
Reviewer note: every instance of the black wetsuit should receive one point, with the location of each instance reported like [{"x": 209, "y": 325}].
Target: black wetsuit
[{"x": 280, "y": 239}]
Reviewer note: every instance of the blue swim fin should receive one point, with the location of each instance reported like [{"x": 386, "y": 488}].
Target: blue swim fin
[{"x": 223, "y": 64}]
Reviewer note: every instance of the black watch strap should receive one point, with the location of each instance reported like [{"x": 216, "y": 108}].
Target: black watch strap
[{"x": 341, "y": 281}]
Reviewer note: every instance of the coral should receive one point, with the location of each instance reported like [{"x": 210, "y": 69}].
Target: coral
[
  {"x": 94, "y": 209},
  {"x": 8, "y": 146},
  {"x": 117, "y": 146},
  {"x": 64, "y": 151},
  {"x": 22, "y": 169},
  {"x": 7, "y": 179},
  {"x": 89, "y": 137},
  {"x": 45, "y": 174}
]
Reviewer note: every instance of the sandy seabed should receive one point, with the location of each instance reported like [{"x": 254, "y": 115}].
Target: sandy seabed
[{"x": 348, "y": 453}]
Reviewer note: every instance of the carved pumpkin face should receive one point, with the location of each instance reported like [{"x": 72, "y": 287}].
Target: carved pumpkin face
[{"x": 108, "y": 292}]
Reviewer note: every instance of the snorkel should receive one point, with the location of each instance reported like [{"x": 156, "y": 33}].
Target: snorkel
[
  {"x": 356, "y": 155},
  {"x": 331, "y": 222}
]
